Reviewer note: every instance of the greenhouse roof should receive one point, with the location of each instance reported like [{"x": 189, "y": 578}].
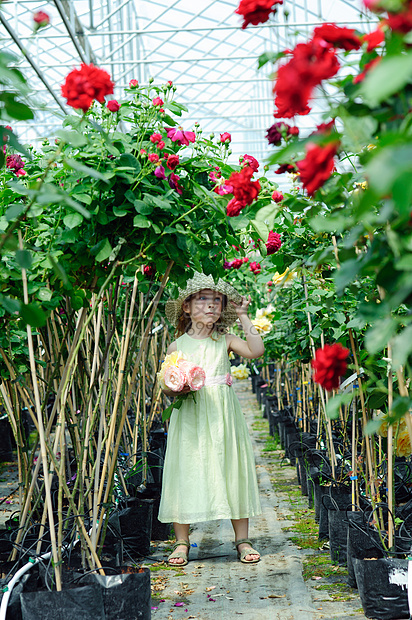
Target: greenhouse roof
[{"x": 200, "y": 46}]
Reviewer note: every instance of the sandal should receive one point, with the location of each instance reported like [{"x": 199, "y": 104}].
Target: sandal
[
  {"x": 179, "y": 554},
  {"x": 247, "y": 551}
]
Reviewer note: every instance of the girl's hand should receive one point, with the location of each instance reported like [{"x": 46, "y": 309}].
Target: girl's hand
[{"x": 242, "y": 308}]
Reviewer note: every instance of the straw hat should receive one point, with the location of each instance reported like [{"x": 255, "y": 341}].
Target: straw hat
[{"x": 199, "y": 282}]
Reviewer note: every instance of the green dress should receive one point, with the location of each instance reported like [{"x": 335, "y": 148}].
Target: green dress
[{"x": 209, "y": 470}]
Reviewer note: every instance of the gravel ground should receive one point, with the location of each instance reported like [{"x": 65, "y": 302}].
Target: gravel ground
[{"x": 215, "y": 586}]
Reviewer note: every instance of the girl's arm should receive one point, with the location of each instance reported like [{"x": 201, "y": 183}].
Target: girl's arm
[{"x": 253, "y": 346}]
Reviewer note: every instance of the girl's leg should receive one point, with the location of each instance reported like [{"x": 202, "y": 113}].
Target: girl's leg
[
  {"x": 182, "y": 533},
  {"x": 241, "y": 528}
]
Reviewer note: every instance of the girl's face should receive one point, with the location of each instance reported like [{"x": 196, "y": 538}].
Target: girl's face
[{"x": 204, "y": 307}]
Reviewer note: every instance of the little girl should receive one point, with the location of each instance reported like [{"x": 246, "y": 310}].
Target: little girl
[{"x": 209, "y": 471}]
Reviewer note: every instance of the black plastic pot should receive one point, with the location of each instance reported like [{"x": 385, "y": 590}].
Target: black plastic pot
[
  {"x": 80, "y": 603},
  {"x": 361, "y": 543},
  {"x": 382, "y": 585},
  {"x": 338, "y": 536},
  {"x": 126, "y": 596},
  {"x": 136, "y": 525}
]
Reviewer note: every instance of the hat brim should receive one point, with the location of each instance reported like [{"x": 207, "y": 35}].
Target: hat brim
[{"x": 199, "y": 282}]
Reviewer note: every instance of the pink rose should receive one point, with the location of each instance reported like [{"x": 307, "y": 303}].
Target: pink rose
[
  {"x": 174, "y": 379},
  {"x": 195, "y": 375},
  {"x": 229, "y": 379}
]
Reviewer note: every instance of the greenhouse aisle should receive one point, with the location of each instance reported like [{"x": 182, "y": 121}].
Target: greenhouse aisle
[{"x": 214, "y": 585}]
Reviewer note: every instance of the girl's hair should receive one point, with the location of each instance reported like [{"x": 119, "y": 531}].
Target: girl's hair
[{"x": 184, "y": 322}]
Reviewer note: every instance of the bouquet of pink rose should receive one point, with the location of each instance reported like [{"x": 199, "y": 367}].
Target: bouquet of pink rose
[{"x": 176, "y": 372}]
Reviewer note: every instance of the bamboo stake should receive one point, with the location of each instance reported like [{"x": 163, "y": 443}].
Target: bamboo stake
[
  {"x": 364, "y": 418},
  {"x": 41, "y": 432},
  {"x": 390, "y": 455},
  {"x": 144, "y": 344}
]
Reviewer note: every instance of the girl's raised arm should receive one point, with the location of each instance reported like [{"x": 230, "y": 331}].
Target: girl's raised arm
[{"x": 253, "y": 346}]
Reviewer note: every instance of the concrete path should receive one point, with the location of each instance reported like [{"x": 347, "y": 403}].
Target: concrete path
[{"x": 216, "y": 586}]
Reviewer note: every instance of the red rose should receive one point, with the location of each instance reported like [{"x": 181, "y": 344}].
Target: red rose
[
  {"x": 401, "y": 22},
  {"x": 234, "y": 207},
  {"x": 369, "y": 65},
  {"x": 41, "y": 19},
  {"x": 374, "y": 39},
  {"x": 85, "y": 84},
  {"x": 311, "y": 63},
  {"x": 161, "y": 145},
  {"x": 317, "y": 166},
  {"x": 133, "y": 84},
  {"x": 249, "y": 160},
  {"x": 236, "y": 263},
  {"x": 225, "y": 137},
  {"x": 155, "y": 137},
  {"x": 174, "y": 183},
  {"x": 285, "y": 168},
  {"x": 255, "y": 268},
  {"x": 244, "y": 189},
  {"x": 245, "y": 259},
  {"x": 277, "y": 196},
  {"x": 172, "y": 161},
  {"x": 153, "y": 157},
  {"x": 113, "y": 105},
  {"x": 256, "y": 11},
  {"x": 273, "y": 243},
  {"x": 149, "y": 271},
  {"x": 330, "y": 364},
  {"x": 158, "y": 101},
  {"x": 338, "y": 37},
  {"x": 15, "y": 163},
  {"x": 277, "y": 132}
]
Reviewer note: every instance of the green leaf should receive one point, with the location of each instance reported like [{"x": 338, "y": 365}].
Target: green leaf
[
  {"x": 261, "y": 229},
  {"x": 71, "y": 220},
  {"x": 404, "y": 263},
  {"x": 85, "y": 170},
  {"x": 73, "y": 138},
  {"x": 267, "y": 215},
  {"x": 372, "y": 427},
  {"x": 14, "y": 212},
  {"x": 143, "y": 208},
  {"x": 348, "y": 272},
  {"x": 335, "y": 403},
  {"x": 386, "y": 78},
  {"x": 44, "y": 294},
  {"x": 401, "y": 347},
  {"x": 104, "y": 249},
  {"x": 23, "y": 258},
  {"x": 9, "y": 304},
  {"x": 358, "y": 132},
  {"x": 119, "y": 212},
  {"x": 33, "y": 315},
  {"x": 19, "y": 111},
  {"x": 127, "y": 160},
  {"x": 387, "y": 165},
  {"x": 378, "y": 336},
  {"x": 86, "y": 198},
  {"x": 141, "y": 222},
  {"x": 269, "y": 57}
]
